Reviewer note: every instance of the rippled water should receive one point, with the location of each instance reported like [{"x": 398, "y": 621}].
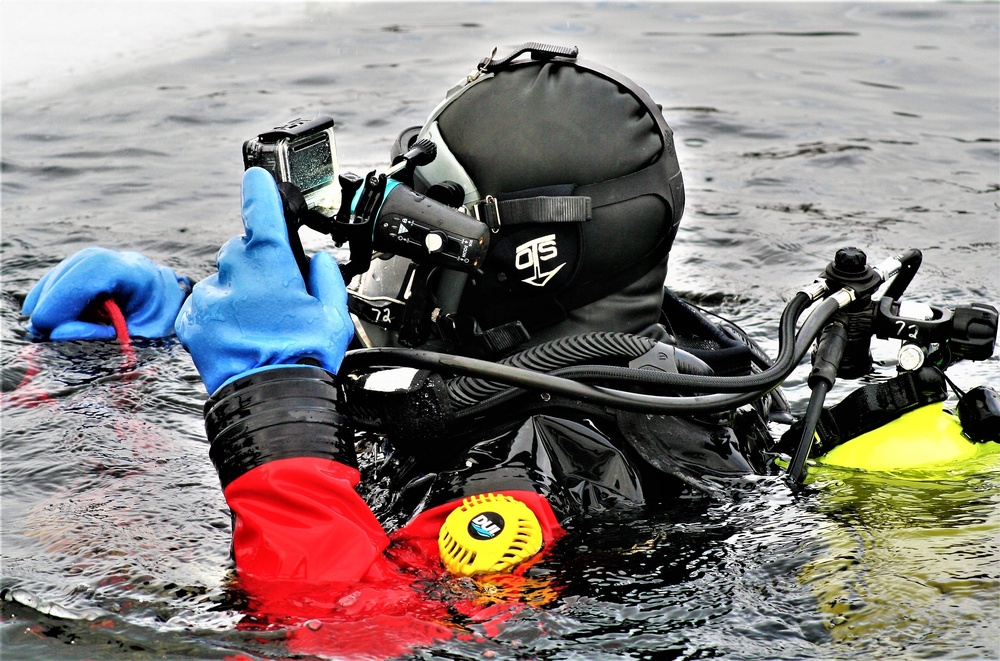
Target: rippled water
[{"x": 801, "y": 128}]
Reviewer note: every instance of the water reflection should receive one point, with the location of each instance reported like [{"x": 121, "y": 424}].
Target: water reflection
[{"x": 905, "y": 555}]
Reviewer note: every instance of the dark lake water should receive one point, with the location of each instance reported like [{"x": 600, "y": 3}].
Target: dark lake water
[{"x": 801, "y": 128}]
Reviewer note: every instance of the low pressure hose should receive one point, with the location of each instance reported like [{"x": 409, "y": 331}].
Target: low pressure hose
[
  {"x": 746, "y": 388},
  {"x": 767, "y": 379},
  {"x": 546, "y": 358},
  {"x": 792, "y": 353}
]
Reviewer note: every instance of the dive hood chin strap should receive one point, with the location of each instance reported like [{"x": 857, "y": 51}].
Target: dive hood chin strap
[{"x": 497, "y": 213}]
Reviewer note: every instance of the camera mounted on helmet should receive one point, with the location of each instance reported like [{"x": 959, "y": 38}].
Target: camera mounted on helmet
[
  {"x": 540, "y": 199},
  {"x": 378, "y": 213}
]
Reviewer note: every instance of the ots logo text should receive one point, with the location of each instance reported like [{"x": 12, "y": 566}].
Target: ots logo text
[{"x": 531, "y": 254}]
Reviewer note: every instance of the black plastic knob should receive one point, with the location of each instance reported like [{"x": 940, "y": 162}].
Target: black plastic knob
[{"x": 850, "y": 261}]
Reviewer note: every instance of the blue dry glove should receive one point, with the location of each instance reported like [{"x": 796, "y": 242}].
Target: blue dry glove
[
  {"x": 148, "y": 294},
  {"x": 256, "y": 311}
]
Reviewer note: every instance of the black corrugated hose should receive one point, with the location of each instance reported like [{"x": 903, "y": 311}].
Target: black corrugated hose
[{"x": 729, "y": 391}]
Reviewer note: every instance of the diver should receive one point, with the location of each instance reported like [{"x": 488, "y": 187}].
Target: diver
[
  {"x": 513, "y": 376},
  {"x": 579, "y": 205}
]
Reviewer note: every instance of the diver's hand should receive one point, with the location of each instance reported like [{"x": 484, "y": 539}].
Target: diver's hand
[
  {"x": 61, "y": 304},
  {"x": 256, "y": 311}
]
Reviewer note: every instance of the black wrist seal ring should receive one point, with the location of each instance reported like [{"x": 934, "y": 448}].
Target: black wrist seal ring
[{"x": 279, "y": 413}]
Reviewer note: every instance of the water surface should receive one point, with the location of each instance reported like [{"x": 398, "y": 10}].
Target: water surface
[{"x": 800, "y": 129}]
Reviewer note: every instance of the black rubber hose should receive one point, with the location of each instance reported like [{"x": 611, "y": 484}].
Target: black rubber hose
[
  {"x": 562, "y": 352},
  {"x": 797, "y": 467},
  {"x": 687, "y": 404},
  {"x": 791, "y": 351},
  {"x": 515, "y": 376},
  {"x": 468, "y": 391},
  {"x": 653, "y": 377},
  {"x": 629, "y": 401},
  {"x": 575, "y": 349}
]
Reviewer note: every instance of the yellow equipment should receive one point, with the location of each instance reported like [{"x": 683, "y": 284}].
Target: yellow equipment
[{"x": 487, "y": 534}]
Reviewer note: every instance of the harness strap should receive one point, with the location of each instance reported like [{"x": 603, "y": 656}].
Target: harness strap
[
  {"x": 563, "y": 209},
  {"x": 870, "y": 407},
  {"x": 630, "y": 186}
]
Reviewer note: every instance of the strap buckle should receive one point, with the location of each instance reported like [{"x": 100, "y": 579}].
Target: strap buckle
[
  {"x": 536, "y": 51},
  {"x": 488, "y": 212},
  {"x": 482, "y": 67}
]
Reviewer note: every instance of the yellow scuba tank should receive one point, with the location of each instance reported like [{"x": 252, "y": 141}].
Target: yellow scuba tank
[{"x": 925, "y": 436}]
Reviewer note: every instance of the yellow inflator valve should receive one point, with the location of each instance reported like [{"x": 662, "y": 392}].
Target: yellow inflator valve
[{"x": 489, "y": 533}]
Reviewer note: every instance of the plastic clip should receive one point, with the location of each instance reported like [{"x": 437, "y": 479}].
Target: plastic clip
[
  {"x": 482, "y": 67},
  {"x": 488, "y": 212}
]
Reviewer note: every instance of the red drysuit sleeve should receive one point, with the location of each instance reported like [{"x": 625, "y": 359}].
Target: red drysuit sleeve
[
  {"x": 301, "y": 519},
  {"x": 311, "y": 556},
  {"x": 287, "y": 465},
  {"x": 289, "y": 479}
]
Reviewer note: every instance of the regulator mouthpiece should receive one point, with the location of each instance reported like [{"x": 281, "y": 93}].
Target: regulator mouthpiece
[{"x": 487, "y": 534}]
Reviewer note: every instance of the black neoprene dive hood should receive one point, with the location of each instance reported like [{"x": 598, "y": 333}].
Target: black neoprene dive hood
[{"x": 573, "y": 167}]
